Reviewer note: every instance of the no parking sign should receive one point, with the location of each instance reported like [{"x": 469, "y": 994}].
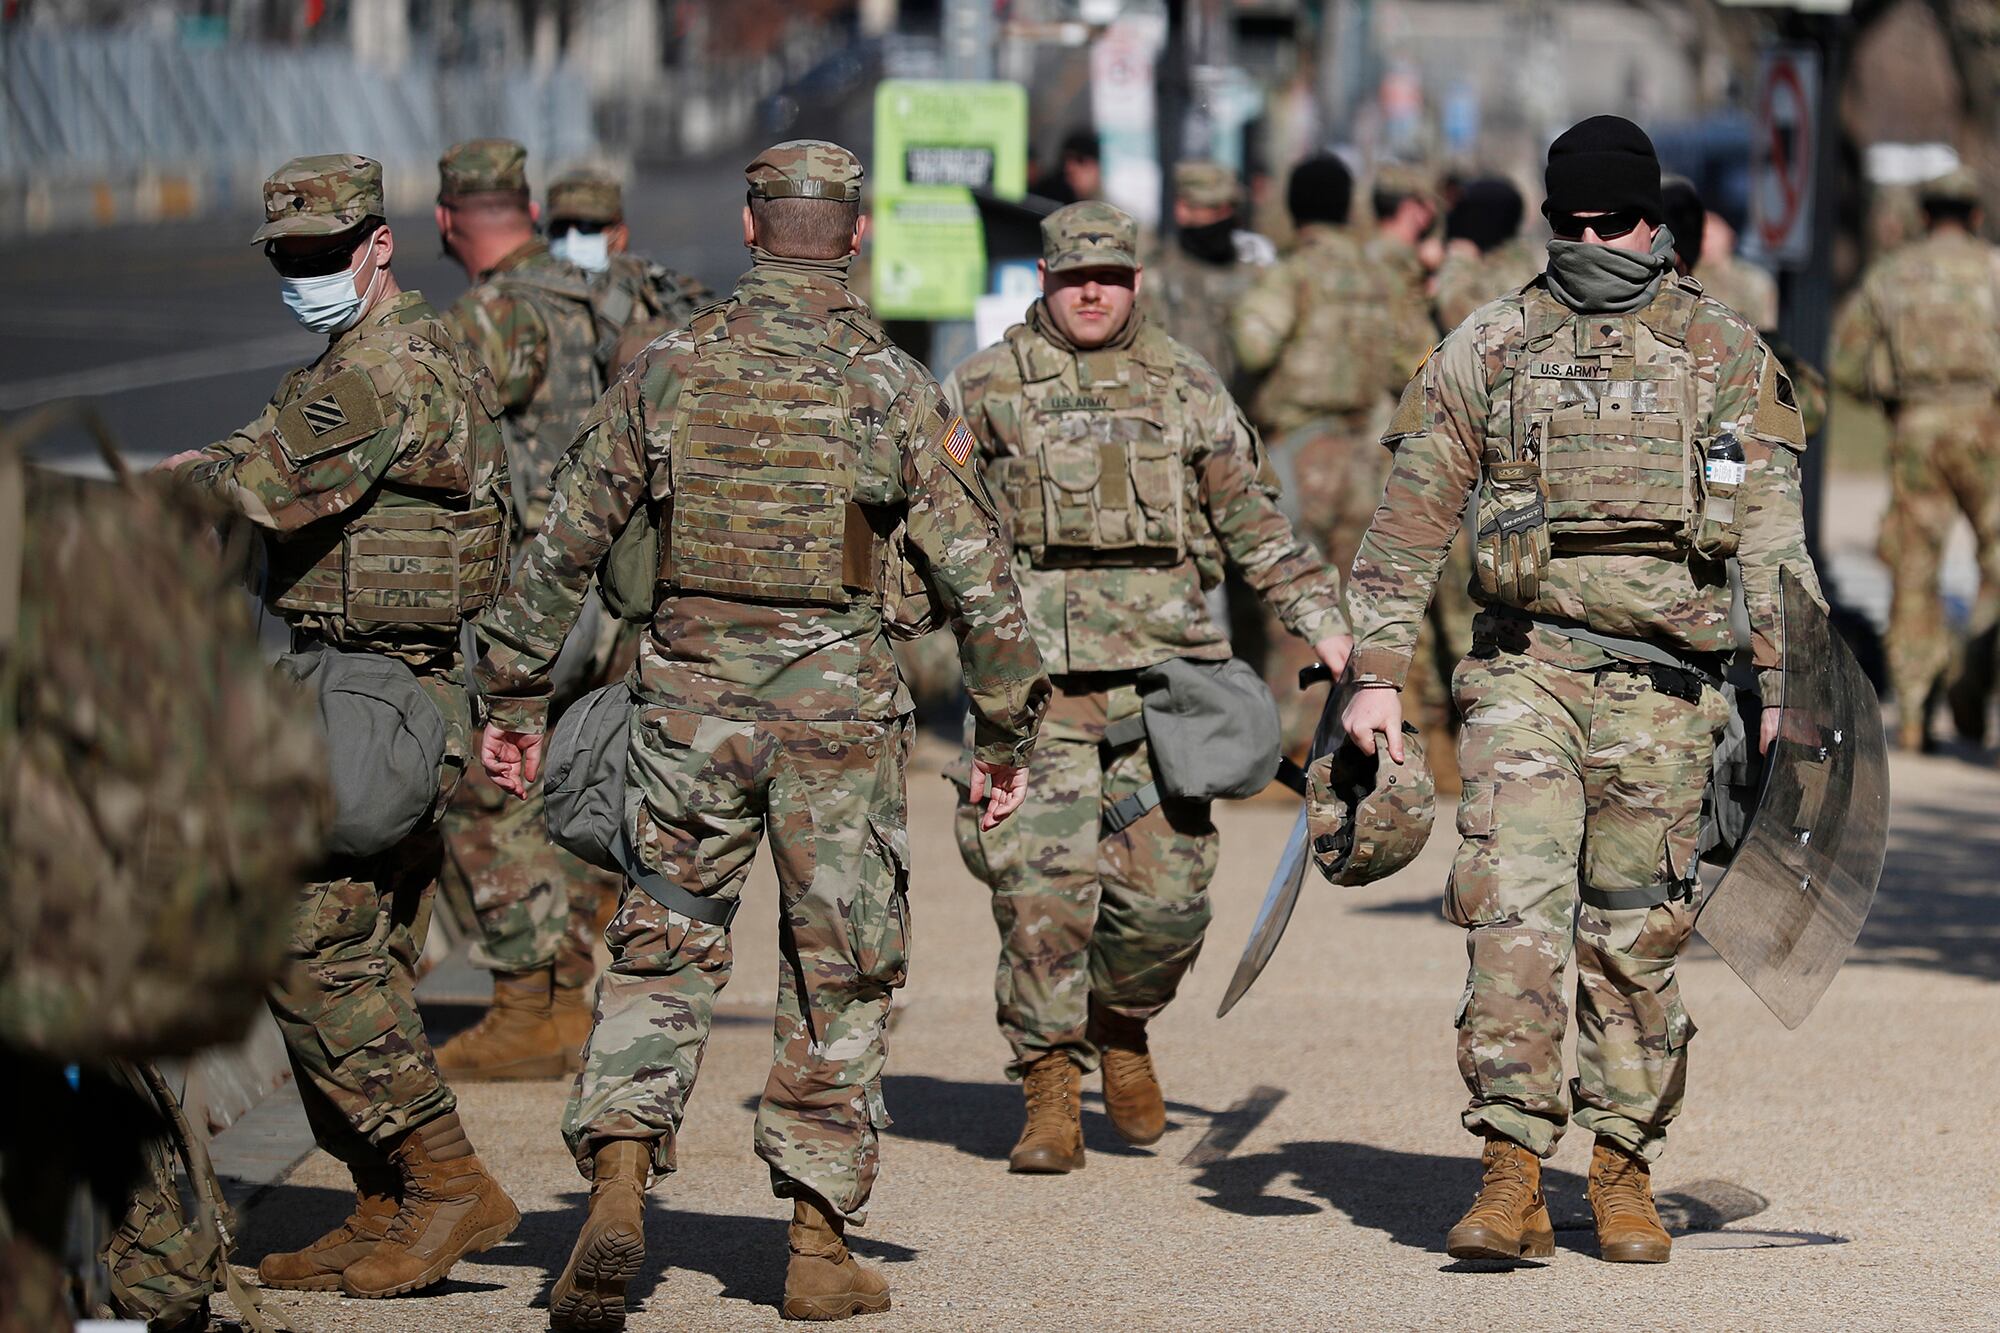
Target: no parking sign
[{"x": 1784, "y": 149}]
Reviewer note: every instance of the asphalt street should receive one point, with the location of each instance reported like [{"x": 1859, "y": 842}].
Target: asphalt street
[{"x": 1837, "y": 1176}]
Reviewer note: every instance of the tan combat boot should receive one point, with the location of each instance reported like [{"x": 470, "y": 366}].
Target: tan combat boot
[
  {"x": 1621, "y": 1199},
  {"x": 451, "y": 1208},
  {"x": 590, "y": 1294},
  {"x": 1052, "y": 1140},
  {"x": 1131, "y": 1087},
  {"x": 573, "y": 1013},
  {"x": 518, "y": 1037},
  {"x": 319, "y": 1265},
  {"x": 822, "y": 1280},
  {"x": 1510, "y": 1218}
]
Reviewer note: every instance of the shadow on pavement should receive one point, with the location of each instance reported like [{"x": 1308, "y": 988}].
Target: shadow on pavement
[
  {"x": 745, "y": 1254},
  {"x": 984, "y": 1119},
  {"x": 1937, "y": 907},
  {"x": 1414, "y": 1199}
]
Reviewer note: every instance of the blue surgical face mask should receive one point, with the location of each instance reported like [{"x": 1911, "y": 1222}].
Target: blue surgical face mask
[
  {"x": 588, "y": 250},
  {"x": 329, "y": 303}
]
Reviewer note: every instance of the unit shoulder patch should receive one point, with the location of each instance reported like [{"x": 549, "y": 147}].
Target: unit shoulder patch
[{"x": 329, "y": 417}]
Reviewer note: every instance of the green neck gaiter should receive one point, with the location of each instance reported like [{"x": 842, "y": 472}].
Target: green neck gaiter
[
  {"x": 1599, "y": 280},
  {"x": 834, "y": 269},
  {"x": 1043, "y": 323}
]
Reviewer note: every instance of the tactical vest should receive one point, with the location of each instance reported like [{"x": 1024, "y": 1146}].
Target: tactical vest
[
  {"x": 764, "y": 459},
  {"x": 429, "y": 548},
  {"x": 1941, "y": 320},
  {"x": 1101, "y": 477},
  {"x": 1337, "y": 358},
  {"x": 1591, "y": 442},
  {"x": 539, "y": 434},
  {"x": 634, "y": 294}
]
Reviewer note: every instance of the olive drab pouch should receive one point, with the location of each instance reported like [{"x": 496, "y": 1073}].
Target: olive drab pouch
[
  {"x": 385, "y": 746},
  {"x": 1721, "y": 479},
  {"x": 583, "y": 788},
  {"x": 626, "y": 576},
  {"x": 162, "y": 791},
  {"x": 421, "y": 566},
  {"x": 1211, "y": 729}
]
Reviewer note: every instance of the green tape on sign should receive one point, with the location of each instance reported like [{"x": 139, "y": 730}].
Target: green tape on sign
[{"x": 935, "y": 142}]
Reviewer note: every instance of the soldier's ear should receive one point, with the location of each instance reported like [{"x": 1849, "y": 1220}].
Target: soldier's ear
[
  {"x": 534, "y": 211},
  {"x": 618, "y": 236},
  {"x": 860, "y": 230},
  {"x": 385, "y": 245},
  {"x": 749, "y": 227},
  {"x": 1042, "y": 274},
  {"x": 1138, "y": 276}
]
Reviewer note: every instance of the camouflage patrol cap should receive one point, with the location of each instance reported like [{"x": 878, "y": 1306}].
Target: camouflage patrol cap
[
  {"x": 1957, "y": 186},
  {"x": 587, "y": 195},
  {"x": 1398, "y": 179},
  {"x": 1091, "y": 234},
  {"x": 805, "y": 169},
  {"x": 482, "y": 166},
  {"x": 322, "y": 195},
  {"x": 1206, "y": 185},
  {"x": 1367, "y": 815}
]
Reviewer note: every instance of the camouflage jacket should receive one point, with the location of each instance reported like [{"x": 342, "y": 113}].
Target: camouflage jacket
[
  {"x": 392, "y": 416},
  {"x": 1743, "y": 287},
  {"x": 652, "y": 291},
  {"x": 1677, "y": 373},
  {"x": 758, "y": 660},
  {"x": 1191, "y": 301},
  {"x": 1324, "y": 323},
  {"x": 531, "y": 320},
  {"x": 1403, "y": 269},
  {"x": 1032, "y": 391},
  {"x": 1924, "y": 323},
  {"x": 1466, "y": 282}
]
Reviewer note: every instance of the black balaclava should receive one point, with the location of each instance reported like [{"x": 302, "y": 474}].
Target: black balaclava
[
  {"x": 1488, "y": 213},
  {"x": 1321, "y": 190},
  {"x": 1685, "y": 217}
]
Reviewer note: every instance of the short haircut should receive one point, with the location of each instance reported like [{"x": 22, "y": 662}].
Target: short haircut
[
  {"x": 1959, "y": 211},
  {"x": 1385, "y": 201},
  {"x": 1081, "y": 144},
  {"x": 805, "y": 228}
]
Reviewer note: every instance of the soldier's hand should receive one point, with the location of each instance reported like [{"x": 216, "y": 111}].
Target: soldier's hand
[
  {"x": 513, "y": 759},
  {"x": 1333, "y": 650},
  {"x": 170, "y": 463},
  {"x": 1002, "y": 787},
  {"x": 1767, "y": 728},
  {"x": 1372, "y": 709}
]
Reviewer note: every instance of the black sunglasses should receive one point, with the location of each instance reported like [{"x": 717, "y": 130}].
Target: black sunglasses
[
  {"x": 317, "y": 263},
  {"x": 1608, "y": 226}
]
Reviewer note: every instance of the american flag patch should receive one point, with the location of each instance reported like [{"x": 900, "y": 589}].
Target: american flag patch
[{"x": 958, "y": 442}]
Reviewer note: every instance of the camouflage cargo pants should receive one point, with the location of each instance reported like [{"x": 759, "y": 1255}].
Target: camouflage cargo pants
[
  {"x": 1572, "y": 779},
  {"x": 1084, "y": 917},
  {"x": 347, "y": 1000},
  {"x": 703, "y": 791},
  {"x": 1944, "y": 461}
]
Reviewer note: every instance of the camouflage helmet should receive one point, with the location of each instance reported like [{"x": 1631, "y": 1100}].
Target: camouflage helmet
[
  {"x": 1091, "y": 234},
  {"x": 1369, "y": 816},
  {"x": 1399, "y": 180},
  {"x": 805, "y": 169},
  {"x": 1206, "y": 185},
  {"x": 1957, "y": 186},
  {"x": 483, "y": 166},
  {"x": 587, "y": 194},
  {"x": 322, "y": 195}
]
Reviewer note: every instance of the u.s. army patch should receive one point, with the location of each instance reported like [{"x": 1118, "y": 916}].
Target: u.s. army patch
[{"x": 329, "y": 417}]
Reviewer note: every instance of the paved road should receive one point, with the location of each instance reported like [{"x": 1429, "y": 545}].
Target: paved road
[{"x": 1836, "y": 1176}]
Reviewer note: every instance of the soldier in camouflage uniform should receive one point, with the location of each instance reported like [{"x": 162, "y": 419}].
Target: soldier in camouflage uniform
[
  {"x": 1128, "y": 479},
  {"x": 1333, "y": 348},
  {"x": 1922, "y": 336},
  {"x": 773, "y": 446},
  {"x": 637, "y": 299},
  {"x": 532, "y": 319},
  {"x": 1195, "y": 283},
  {"x": 1738, "y": 284},
  {"x": 1577, "y": 415},
  {"x": 379, "y": 479},
  {"x": 1485, "y": 255},
  {"x": 1405, "y": 204}
]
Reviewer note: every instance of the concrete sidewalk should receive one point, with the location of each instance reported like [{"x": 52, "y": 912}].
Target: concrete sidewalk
[{"x": 1837, "y": 1176}]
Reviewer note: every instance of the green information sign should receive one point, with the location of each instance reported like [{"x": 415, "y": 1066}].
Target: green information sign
[{"x": 935, "y": 142}]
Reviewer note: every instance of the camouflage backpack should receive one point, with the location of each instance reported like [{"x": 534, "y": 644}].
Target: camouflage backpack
[
  {"x": 161, "y": 789},
  {"x": 165, "y": 1259}
]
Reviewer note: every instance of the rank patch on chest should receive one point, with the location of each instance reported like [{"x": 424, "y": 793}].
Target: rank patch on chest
[{"x": 1570, "y": 370}]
